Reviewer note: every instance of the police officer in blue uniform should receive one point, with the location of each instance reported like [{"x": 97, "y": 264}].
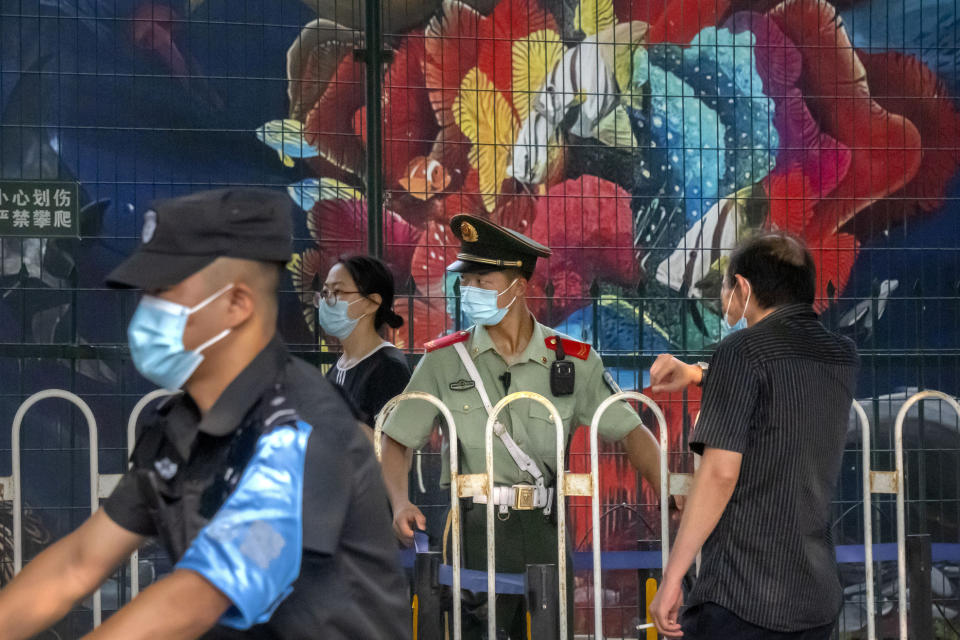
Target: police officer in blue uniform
[{"x": 253, "y": 473}]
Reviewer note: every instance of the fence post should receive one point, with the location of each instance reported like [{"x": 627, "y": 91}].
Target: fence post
[
  {"x": 919, "y": 563},
  {"x": 374, "y": 56},
  {"x": 549, "y": 291},
  {"x": 428, "y": 610},
  {"x": 456, "y": 304},
  {"x": 595, "y": 306},
  {"x": 411, "y": 293},
  {"x": 540, "y": 587}
]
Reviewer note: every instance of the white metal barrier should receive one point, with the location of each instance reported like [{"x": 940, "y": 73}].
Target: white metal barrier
[
  {"x": 670, "y": 484},
  {"x": 12, "y": 488},
  {"x": 868, "y": 490},
  {"x": 460, "y": 486},
  {"x": 567, "y": 484},
  {"x": 890, "y": 482}
]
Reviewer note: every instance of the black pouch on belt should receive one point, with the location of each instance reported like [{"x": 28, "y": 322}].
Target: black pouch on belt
[{"x": 562, "y": 373}]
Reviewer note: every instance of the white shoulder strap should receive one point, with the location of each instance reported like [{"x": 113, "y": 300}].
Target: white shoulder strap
[{"x": 519, "y": 456}]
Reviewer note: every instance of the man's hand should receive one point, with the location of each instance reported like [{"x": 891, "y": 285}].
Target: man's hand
[
  {"x": 665, "y": 609},
  {"x": 407, "y": 519},
  {"x": 669, "y": 374}
]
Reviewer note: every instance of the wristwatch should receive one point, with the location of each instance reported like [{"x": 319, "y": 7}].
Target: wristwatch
[{"x": 703, "y": 372}]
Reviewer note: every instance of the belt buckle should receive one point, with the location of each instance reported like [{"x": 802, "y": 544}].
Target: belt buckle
[{"x": 524, "y": 497}]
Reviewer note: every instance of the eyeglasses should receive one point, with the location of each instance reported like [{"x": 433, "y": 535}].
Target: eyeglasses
[{"x": 330, "y": 297}]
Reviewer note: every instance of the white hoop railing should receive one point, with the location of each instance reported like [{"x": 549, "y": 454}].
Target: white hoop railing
[
  {"x": 12, "y": 488},
  {"x": 890, "y": 482},
  {"x": 670, "y": 484},
  {"x": 459, "y": 485}
]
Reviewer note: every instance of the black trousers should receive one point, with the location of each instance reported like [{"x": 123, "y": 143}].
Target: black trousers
[{"x": 710, "y": 621}]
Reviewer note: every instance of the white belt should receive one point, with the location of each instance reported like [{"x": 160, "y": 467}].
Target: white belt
[{"x": 522, "y": 497}]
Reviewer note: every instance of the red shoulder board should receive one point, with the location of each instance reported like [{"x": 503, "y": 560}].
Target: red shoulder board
[
  {"x": 446, "y": 341},
  {"x": 570, "y": 347}
]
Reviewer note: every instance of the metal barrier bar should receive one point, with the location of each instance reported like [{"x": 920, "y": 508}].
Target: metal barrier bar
[
  {"x": 13, "y": 482},
  {"x": 920, "y": 563},
  {"x": 540, "y": 582},
  {"x": 670, "y": 484},
  {"x": 561, "y": 512},
  {"x": 867, "y": 518},
  {"x": 427, "y": 609},
  {"x": 131, "y": 441},
  {"x": 898, "y": 488},
  {"x": 460, "y": 486}
]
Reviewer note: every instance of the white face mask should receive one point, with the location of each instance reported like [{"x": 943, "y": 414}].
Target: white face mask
[
  {"x": 727, "y": 328},
  {"x": 481, "y": 306},
  {"x": 334, "y": 319},
  {"x": 156, "y": 340}
]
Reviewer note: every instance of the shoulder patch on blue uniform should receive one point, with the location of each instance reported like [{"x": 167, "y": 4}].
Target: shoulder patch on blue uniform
[{"x": 251, "y": 549}]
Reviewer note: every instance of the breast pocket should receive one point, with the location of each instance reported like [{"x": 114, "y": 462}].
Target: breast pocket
[
  {"x": 470, "y": 418},
  {"x": 541, "y": 431}
]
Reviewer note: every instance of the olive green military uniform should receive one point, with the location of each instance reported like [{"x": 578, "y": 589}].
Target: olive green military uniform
[{"x": 525, "y": 537}]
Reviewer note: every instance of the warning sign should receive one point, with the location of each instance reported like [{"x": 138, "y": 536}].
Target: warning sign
[{"x": 39, "y": 209}]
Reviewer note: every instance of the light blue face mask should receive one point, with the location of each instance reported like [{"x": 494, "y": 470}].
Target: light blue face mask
[
  {"x": 725, "y": 327},
  {"x": 156, "y": 340},
  {"x": 334, "y": 320},
  {"x": 480, "y": 305}
]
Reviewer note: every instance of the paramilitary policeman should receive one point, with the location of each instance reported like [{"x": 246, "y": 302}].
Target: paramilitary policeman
[
  {"x": 255, "y": 477},
  {"x": 505, "y": 351}
]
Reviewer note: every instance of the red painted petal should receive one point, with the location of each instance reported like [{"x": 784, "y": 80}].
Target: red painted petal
[
  {"x": 886, "y": 146},
  {"x": 409, "y": 123},
  {"x": 340, "y": 227},
  {"x": 904, "y": 85},
  {"x": 451, "y": 48},
  {"x": 430, "y": 321},
  {"x": 833, "y": 256},
  {"x": 330, "y": 123},
  {"x": 437, "y": 248},
  {"x": 586, "y": 221},
  {"x": 644, "y": 10},
  {"x": 511, "y": 20},
  {"x": 791, "y": 200},
  {"x": 683, "y": 19}
]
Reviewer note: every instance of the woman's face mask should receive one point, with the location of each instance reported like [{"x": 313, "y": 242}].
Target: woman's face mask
[
  {"x": 334, "y": 319},
  {"x": 481, "y": 306},
  {"x": 726, "y": 328},
  {"x": 155, "y": 335}
]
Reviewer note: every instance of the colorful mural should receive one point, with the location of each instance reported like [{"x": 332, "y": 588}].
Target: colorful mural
[{"x": 640, "y": 140}]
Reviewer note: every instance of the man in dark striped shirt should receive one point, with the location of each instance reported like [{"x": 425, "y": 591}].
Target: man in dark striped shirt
[{"x": 774, "y": 414}]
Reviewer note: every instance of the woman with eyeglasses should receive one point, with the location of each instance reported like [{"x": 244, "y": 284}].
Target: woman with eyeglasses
[{"x": 354, "y": 306}]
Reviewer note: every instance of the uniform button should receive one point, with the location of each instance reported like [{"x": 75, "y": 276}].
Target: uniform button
[
  {"x": 466, "y": 407},
  {"x": 476, "y": 349},
  {"x": 543, "y": 359}
]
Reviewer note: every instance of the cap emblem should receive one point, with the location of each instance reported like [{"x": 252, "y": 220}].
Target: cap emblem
[
  {"x": 149, "y": 226},
  {"x": 468, "y": 232}
]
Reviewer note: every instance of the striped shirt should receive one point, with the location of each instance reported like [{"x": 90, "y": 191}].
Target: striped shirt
[{"x": 779, "y": 393}]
